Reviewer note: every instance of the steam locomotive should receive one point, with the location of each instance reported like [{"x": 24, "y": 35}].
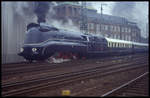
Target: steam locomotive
[{"x": 43, "y": 41}]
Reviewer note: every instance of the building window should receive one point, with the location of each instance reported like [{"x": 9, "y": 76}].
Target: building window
[
  {"x": 118, "y": 36},
  {"x": 102, "y": 27},
  {"x": 70, "y": 10},
  {"x": 118, "y": 28},
  {"x": 129, "y": 30},
  {"x": 126, "y": 29},
  {"x": 111, "y": 28},
  {"x": 64, "y": 10},
  {"x": 122, "y": 30},
  {"x": 92, "y": 25},
  {"x": 126, "y": 37},
  {"x": 114, "y": 36},
  {"x": 98, "y": 28},
  {"x": 106, "y": 27},
  {"x": 129, "y": 38},
  {"x": 115, "y": 28}
]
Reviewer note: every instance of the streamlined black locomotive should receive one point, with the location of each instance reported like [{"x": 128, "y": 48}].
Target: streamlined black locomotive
[{"x": 43, "y": 41}]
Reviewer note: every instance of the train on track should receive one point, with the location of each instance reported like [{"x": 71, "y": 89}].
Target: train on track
[{"x": 43, "y": 41}]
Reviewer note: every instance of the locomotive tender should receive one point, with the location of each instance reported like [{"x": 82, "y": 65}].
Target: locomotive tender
[{"x": 43, "y": 41}]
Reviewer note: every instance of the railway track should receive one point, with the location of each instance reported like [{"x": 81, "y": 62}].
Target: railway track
[
  {"x": 135, "y": 87},
  {"x": 10, "y": 71},
  {"x": 34, "y": 64},
  {"x": 26, "y": 87},
  {"x": 54, "y": 71}
]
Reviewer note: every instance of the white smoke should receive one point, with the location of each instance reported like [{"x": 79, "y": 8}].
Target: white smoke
[
  {"x": 134, "y": 12},
  {"x": 26, "y": 10},
  {"x": 141, "y": 16},
  {"x": 66, "y": 26}
]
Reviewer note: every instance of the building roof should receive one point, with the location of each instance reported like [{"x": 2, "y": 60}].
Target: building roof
[
  {"x": 106, "y": 18},
  {"x": 76, "y": 4},
  {"x": 92, "y": 14}
]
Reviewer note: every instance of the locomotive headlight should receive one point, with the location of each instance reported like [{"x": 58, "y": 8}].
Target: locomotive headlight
[
  {"x": 34, "y": 49},
  {"x": 21, "y": 49}
]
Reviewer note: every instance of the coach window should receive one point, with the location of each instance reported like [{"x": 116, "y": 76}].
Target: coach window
[
  {"x": 130, "y": 45},
  {"x": 120, "y": 44},
  {"x": 114, "y": 44},
  {"x": 127, "y": 45},
  {"x": 111, "y": 44}
]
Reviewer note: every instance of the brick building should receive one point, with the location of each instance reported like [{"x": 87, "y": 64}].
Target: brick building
[{"x": 106, "y": 25}]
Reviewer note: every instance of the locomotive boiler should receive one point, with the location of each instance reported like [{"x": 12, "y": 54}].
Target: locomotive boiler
[{"x": 43, "y": 41}]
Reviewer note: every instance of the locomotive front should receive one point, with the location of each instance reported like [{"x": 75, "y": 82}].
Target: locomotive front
[
  {"x": 33, "y": 48},
  {"x": 43, "y": 41}
]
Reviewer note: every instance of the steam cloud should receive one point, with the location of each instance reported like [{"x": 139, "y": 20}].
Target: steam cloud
[
  {"x": 42, "y": 12},
  {"x": 133, "y": 11}
]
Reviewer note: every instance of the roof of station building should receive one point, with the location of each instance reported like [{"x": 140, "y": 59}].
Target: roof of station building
[
  {"x": 92, "y": 14},
  {"x": 76, "y": 4}
]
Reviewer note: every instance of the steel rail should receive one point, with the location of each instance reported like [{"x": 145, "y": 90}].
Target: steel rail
[
  {"x": 41, "y": 67},
  {"x": 63, "y": 79},
  {"x": 124, "y": 85},
  {"x": 12, "y": 65},
  {"x": 46, "y": 77}
]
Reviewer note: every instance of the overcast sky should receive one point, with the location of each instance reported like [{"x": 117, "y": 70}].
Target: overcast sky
[{"x": 108, "y": 6}]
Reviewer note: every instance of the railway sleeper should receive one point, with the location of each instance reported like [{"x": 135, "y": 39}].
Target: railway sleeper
[
  {"x": 132, "y": 94},
  {"x": 137, "y": 91}
]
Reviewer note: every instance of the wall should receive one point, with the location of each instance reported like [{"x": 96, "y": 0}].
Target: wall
[{"x": 13, "y": 33}]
